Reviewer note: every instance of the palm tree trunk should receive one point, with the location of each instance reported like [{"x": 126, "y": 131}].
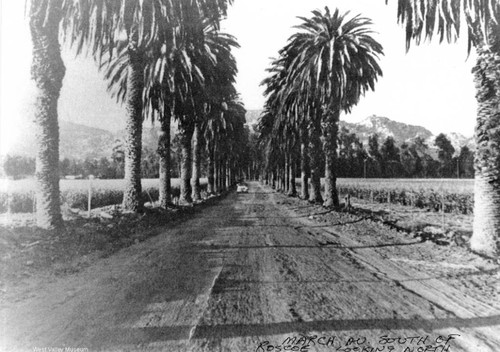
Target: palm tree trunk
[
  {"x": 222, "y": 177},
  {"x": 165, "y": 163},
  {"x": 330, "y": 149},
  {"x": 216, "y": 171},
  {"x": 304, "y": 164},
  {"x": 211, "y": 169},
  {"x": 231, "y": 174},
  {"x": 315, "y": 160},
  {"x": 293, "y": 186},
  {"x": 185, "y": 136},
  {"x": 228, "y": 174},
  {"x": 195, "y": 177},
  {"x": 282, "y": 177},
  {"x": 216, "y": 176},
  {"x": 133, "y": 130},
  {"x": 47, "y": 70},
  {"x": 486, "y": 228},
  {"x": 286, "y": 172}
]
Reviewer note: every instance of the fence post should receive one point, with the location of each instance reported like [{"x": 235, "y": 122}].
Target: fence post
[{"x": 442, "y": 210}]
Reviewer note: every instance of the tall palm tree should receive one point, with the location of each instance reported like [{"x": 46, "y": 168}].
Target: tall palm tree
[
  {"x": 424, "y": 18},
  {"x": 225, "y": 138},
  {"x": 102, "y": 25},
  {"x": 338, "y": 62},
  {"x": 218, "y": 67},
  {"x": 47, "y": 70},
  {"x": 286, "y": 118}
]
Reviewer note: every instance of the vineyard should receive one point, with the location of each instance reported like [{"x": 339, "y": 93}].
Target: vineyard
[
  {"x": 451, "y": 195},
  {"x": 18, "y": 196}
]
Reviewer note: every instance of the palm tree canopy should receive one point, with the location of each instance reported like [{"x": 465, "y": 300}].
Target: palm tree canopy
[
  {"x": 98, "y": 23},
  {"x": 338, "y": 58},
  {"x": 183, "y": 78},
  {"x": 424, "y": 18}
]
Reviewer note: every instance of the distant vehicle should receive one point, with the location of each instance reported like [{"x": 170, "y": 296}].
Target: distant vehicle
[
  {"x": 241, "y": 188},
  {"x": 73, "y": 177}
]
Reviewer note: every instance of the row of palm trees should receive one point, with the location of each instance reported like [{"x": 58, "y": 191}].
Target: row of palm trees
[
  {"x": 332, "y": 61},
  {"x": 322, "y": 71},
  {"x": 164, "y": 59}
]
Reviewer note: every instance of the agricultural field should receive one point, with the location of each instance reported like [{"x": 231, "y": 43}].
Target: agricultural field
[
  {"x": 18, "y": 196},
  {"x": 445, "y": 195},
  {"x": 414, "y": 205}
]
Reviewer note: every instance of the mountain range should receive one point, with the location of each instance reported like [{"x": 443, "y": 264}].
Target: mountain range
[
  {"x": 385, "y": 127},
  {"x": 80, "y": 141},
  {"x": 77, "y": 141}
]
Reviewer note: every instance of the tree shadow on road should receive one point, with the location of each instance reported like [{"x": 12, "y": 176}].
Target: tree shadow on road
[{"x": 152, "y": 334}]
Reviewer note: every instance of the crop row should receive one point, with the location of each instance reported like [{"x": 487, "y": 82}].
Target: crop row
[
  {"x": 450, "y": 195},
  {"x": 437, "y": 200},
  {"x": 19, "y": 196}
]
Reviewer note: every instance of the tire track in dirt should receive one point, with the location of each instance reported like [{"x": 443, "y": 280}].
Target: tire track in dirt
[{"x": 483, "y": 338}]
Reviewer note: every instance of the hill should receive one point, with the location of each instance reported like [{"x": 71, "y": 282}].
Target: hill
[
  {"x": 76, "y": 141},
  {"x": 385, "y": 127}
]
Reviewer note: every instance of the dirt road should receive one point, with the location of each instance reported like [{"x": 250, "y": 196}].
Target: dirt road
[{"x": 264, "y": 272}]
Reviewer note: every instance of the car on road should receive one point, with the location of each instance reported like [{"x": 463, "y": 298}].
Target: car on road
[{"x": 241, "y": 188}]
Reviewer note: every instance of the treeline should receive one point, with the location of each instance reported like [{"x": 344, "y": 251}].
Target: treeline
[{"x": 385, "y": 159}]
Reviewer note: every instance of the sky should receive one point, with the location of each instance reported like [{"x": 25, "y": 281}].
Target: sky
[{"x": 430, "y": 86}]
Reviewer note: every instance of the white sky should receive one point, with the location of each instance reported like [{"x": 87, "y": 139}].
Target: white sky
[{"x": 430, "y": 86}]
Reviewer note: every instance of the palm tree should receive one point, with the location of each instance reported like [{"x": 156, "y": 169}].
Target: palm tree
[
  {"x": 218, "y": 67},
  {"x": 138, "y": 25},
  {"x": 286, "y": 120},
  {"x": 337, "y": 64},
  {"x": 424, "y": 18},
  {"x": 47, "y": 70}
]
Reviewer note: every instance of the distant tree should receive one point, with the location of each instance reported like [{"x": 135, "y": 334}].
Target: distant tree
[
  {"x": 466, "y": 163},
  {"x": 105, "y": 168},
  {"x": 75, "y": 167},
  {"x": 175, "y": 156},
  {"x": 351, "y": 154},
  {"x": 64, "y": 167},
  {"x": 426, "y": 165},
  {"x": 118, "y": 158},
  {"x": 445, "y": 155},
  {"x": 391, "y": 164},
  {"x": 90, "y": 166},
  {"x": 19, "y": 166},
  {"x": 410, "y": 161},
  {"x": 375, "y": 158},
  {"x": 150, "y": 165}
]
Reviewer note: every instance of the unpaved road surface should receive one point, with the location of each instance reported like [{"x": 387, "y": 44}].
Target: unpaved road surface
[{"x": 260, "y": 272}]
